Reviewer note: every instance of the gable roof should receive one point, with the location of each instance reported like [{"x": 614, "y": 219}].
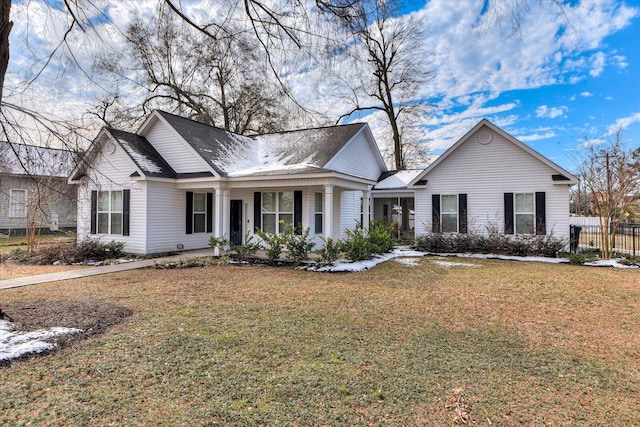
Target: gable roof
[
  {"x": 566, "y": 176},
  {"x": 393, "y": 180},
  {"x": 292, "y": 152},
  {"x": 148, "y": 160},
  {"x": 32, "y": 160}
]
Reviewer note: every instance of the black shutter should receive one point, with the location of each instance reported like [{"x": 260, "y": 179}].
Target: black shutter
[
  {"x": 462, "y": 213},
  {"x": 541, "y": 221},
  {"x": 189, "y": 217},
  {"x": 126, "y": 202},
  {"x": 435, "y": 213},
  {"x": 257, "y": 210},
  {"x": 508, "y": 213},
  {"x": 297, "y": 211},
  {"x": 210, "y": 212},
  {"x": 94, "y": 211}
]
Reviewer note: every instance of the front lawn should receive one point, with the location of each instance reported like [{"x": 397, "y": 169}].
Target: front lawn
[{"x": 434, "y": 344}]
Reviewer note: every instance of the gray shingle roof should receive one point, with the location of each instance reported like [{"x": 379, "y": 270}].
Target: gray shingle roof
[
  {"x": 143, "y": 154},
  {"x": 22, "y": 159},
  {"x": 293, "y": 152}
]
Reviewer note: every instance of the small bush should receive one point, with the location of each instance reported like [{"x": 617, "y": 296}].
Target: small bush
[
  {"x": 273, "y": 244},
  {"x": 380, "y": 237},
  {"x": 330, "y": 251},
  {"x": 247, "y": 249},
  {"x": 85, "y": 250},
  {"x": 499, "y": 244},
  {"x": 222, "y": 243},
  {"x": 356, "y": 245},
  {"x": 298, "y": 245}
]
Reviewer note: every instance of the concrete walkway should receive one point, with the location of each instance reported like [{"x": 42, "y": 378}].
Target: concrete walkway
[{"x": 103, "y": 269}]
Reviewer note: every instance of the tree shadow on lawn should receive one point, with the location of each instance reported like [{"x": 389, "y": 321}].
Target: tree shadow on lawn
[{"x": 91, "y": 316}]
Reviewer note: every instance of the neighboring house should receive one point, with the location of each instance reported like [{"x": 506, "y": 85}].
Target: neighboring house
[
  {"x": 488, "y": 181},
  {"x": 34, "y": 189},
  {"x": 175, "y": 183}
]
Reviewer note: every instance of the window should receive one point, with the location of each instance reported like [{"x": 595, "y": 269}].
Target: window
[
  {"x": 277, "y": 211},
  {"x": 318, "y": 213},
  {"x": 17, "y": 203},
  {"x": 199, "y": 212},
  {"x": 524, "y": 213},
  {"x": 109, "y": 212},
  {"x": 449, "y": 214}
]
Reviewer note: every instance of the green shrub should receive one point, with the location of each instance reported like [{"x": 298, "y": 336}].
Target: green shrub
[
  {"x": 69, "y": 253},
  {"x": 298, "y": 245},
  {"x": 330, "y": 251},
  {"x": 247, "y": 249},
  {"x": 380, "y": 237},
  {"x": 272, "y": 243},
  {"x": 221, "y": 243},
  {"x": 356, "y": 245}
]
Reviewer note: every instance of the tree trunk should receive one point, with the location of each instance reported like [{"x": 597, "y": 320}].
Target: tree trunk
[{"x": 5, "y": 30}]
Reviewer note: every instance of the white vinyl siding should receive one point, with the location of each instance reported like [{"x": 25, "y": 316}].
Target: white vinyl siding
[
  {"x": 357, "y": 158},
  {"x": 485, "y": 173},
  {"x": 112, "y": 172},
  {"x": 179, "y": 154}
]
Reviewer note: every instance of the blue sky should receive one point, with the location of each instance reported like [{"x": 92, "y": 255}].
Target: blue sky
[{"x": 570, "y": 73}]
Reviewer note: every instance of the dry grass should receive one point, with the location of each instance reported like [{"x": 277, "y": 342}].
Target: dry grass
[
  {"x": 508, "y": 343},
  {"x": 9, "y": 270}
]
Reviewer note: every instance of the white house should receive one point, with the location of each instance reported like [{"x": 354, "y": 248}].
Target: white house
[
  {"x": 176, "y": 182},
  {"x": 490, "y": 181}
]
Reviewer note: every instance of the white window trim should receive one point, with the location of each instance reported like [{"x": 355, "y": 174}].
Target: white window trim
[
  {"x": 277, "y": 211},
  {"x": 457, "y": 212},
  {"x": 320, "y": 212},
  {"x": 13, "y": 203},
  {"x": 194, "y": 213},
  {"x": 109, "y": 213},
  {"x": 516, "y": 213}
]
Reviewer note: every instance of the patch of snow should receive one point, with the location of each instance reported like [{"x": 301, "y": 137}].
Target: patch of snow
[
  {"x": 411, "y": 262},
  {"x": 16, "y": 344},
  {"x": 609, "y": 263},
  {"x": 449, "y": 264},
  {"x": 143, "y": 161},
  {"x": 398, "y": 180},
  {"x": 349, "y": 266}
]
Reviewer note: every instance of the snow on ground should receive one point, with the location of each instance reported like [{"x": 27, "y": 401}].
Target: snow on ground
[
  {"x": 411, "y": 262},
  {"x": 15, "y": 344},
  {"x": 455, "y": 264},
  {"x": 348, "y": 266},
  {"x": 609, "y": 263}
]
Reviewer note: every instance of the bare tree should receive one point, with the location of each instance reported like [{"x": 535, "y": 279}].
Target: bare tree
[
  {"x": 391, "y": 70},
  {"x": 610, "y": 175},
  {"x": 173, "y": 67}
]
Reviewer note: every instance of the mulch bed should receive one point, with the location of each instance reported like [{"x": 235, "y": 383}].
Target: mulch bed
[{"x": 92, "y": 316}]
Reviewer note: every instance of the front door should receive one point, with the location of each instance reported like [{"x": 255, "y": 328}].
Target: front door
[{"x": 235, "y": 220}]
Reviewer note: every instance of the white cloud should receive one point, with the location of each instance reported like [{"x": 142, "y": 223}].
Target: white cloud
[
  {"x": 550, "y": 112},
  {"x": 586, "y": 94},
  {"x": 598, "y": 61},
  {"x": 623, "y": 123}
]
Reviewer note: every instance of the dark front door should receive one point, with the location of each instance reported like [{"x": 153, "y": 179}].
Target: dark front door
[{"x": 236, "y": 222}]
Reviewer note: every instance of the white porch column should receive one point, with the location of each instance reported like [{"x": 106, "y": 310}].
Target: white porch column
[
  {"x": 365, "y": 210},
  {"x": 217, "y": 211},
  {"x": 327, "y": 213},
  {"x": 226, "y": 212}
]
